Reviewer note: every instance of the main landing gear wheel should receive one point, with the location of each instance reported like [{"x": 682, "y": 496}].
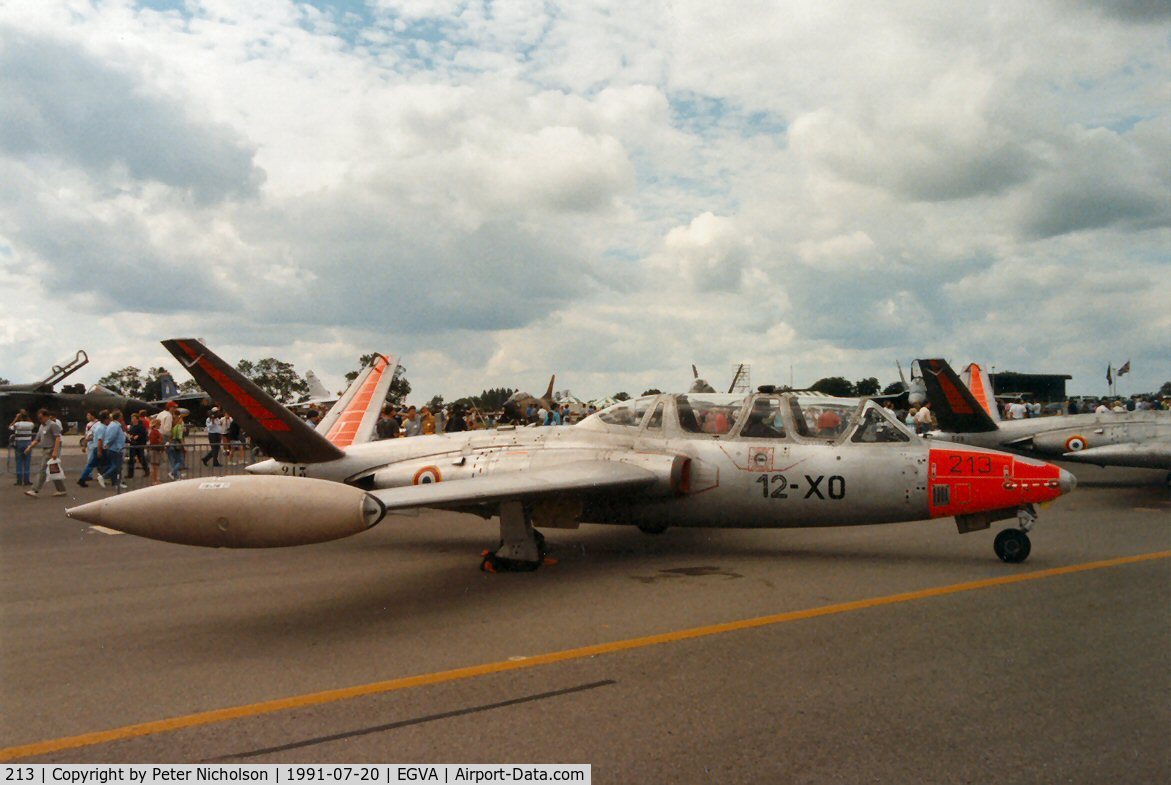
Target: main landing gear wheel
[
  {"x": 1012, "y": 546},
  {"x": 522, "y": 548},
  {"x": 493, "y": 562}
]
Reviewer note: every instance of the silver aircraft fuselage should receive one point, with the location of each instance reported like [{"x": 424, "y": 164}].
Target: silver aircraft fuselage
[
  {"x": 1140, "y": 439},
  {"x": 855, "y": 465}
]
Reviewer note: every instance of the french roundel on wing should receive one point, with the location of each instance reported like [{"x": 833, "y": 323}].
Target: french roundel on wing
[
  {"x": 427, "y": 475},
  {"x": 1075, "y": 443}
]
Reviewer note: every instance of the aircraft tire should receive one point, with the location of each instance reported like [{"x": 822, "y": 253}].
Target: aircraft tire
[
  {"x": 652, "y": 528},
  {"x": 493, "y": 563},
  {"x": 490, "y": 562},
  {"x": 1012, "y": 546}
]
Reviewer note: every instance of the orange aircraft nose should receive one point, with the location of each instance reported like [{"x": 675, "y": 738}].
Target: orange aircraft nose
[
  {"x": 969, "y": 480},
  {"x": 1039, "y": 481}
]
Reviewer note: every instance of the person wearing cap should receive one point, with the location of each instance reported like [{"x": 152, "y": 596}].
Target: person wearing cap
[
  {"x": 215, "y": 435},
  {"x": 166, "y": 418}
]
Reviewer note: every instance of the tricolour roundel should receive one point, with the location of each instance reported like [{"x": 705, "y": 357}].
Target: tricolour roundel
[
  {"x": 1075, "y": 443},
  {"x": 427, "y": 475}
]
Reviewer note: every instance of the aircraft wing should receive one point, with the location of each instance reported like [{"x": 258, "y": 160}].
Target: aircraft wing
[
  {"x": 280, "y": 433},
  {"x": 353, "y": 418},
  {"x": 956, "y": 409},
  {"x": 572, "y": 478}
]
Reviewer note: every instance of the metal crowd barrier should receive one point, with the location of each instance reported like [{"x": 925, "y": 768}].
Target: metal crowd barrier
[
  {"x": 189, "y": 459},
  {"x": 190, "y": 456}
]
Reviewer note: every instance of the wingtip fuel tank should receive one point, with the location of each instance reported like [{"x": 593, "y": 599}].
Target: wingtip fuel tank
[{"x": 238, "y": 512}]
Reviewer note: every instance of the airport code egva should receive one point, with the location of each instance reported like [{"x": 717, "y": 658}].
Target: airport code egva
[{"x": 98, "y": 774}]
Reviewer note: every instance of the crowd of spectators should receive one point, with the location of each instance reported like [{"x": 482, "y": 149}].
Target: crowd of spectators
[
  {"x": 410, "y": 420},
  {"x": 115, "y": 449}
]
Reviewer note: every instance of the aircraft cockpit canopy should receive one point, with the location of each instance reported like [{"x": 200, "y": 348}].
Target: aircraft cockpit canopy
[
  {"x": 877, "y": 426},
  {"x": 708, "y": 413},
  {"x": 627, "y": 413},
  {"x": 759, "y": 416}
]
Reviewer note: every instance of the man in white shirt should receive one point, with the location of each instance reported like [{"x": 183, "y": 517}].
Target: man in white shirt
[
  {"x": 412, "y": 426},
  {"x": 924, "y": 420},
  {"x": 215, "y": 435}
]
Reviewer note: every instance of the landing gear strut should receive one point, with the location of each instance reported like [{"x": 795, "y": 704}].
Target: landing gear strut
[
  {"x": 1012, "y": 545},
  {"x": 522, "y": 548}
]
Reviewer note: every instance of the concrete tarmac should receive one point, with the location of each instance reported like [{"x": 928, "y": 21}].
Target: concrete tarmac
[{"x": 871, "y": 654}]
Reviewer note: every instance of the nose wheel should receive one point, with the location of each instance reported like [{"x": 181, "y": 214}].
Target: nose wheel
[{"x": 1012, "y": 546}]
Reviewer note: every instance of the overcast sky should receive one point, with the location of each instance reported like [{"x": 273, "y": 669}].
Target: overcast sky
[{"x": 608, "y": 191}]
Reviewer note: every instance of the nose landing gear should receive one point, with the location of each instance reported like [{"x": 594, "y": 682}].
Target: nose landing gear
[{"x": 1012, "y": 545}]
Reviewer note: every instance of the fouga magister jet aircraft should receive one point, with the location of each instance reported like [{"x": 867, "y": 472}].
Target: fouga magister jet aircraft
[
  {"x": 705, "y": 460},
  {"x": 967, "y": 414}
]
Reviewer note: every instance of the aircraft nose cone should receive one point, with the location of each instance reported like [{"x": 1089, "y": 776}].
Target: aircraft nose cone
[
  {"x": 1066, "y": 481},
  {"x": 268, "y": 466},
  {"x": 89, "y": 513}
]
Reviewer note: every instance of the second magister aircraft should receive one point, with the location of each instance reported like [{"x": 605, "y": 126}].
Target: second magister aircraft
[{"x": 695, "y": 459}]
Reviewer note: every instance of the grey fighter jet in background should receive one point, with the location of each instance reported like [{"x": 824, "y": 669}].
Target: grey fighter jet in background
[
  {"x": 70, "y": 404},
  {"x": 696, "y": 459},
  {"x": 967, "y": 414}
]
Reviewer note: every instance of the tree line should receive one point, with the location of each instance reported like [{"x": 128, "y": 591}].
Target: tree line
[{"x": 281, "y": 380}]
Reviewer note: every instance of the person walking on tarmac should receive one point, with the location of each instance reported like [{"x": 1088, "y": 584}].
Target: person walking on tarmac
[
  {"x": 114, "y": 445},
  {"x": 49, "y": 438},
  {"x": 215, "y": 435},
  {"x": 175, "y": 444},
  {"x": 22, "y": 429},
  {"x": 136, "y": 440},
  {"x": 93, "y": 434}
]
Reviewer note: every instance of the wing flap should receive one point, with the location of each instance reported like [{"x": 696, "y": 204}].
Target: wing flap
[
  {"x": 280, "y": 433},
  {"x": 573, "y": 478}
]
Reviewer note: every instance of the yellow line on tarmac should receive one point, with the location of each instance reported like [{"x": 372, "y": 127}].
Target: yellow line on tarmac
[{"x": 392, "y": 685}]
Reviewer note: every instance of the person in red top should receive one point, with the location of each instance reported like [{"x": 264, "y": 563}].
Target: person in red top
[{"x": 828, "y": 423}]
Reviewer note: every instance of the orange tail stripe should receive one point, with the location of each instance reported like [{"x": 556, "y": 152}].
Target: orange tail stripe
[
  {"x": 346, "y": 427},
  {"x": 976, "y": 384}
]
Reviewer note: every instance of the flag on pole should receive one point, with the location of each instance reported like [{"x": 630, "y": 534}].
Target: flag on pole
[
  {"x": 1109, "y": 374},
  {"x": 1125, "y": 368}
]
